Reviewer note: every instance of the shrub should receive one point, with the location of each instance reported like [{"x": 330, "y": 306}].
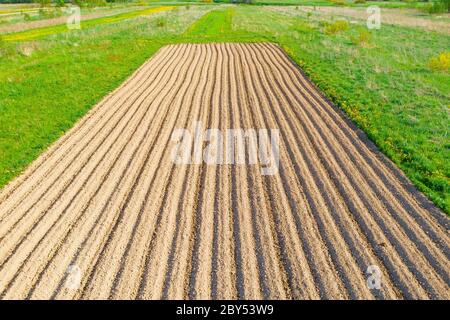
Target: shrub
[
  {"x": 440, "y": 6},
  {"x": 90, "y": 3},
  {"x": 160, "y": 22},
  {"x": 339, "y": 2},
  {"x": 336, "y": 27},
  {"x": 303, "y": 27},
  {"x": 97, "y": 3},
  {"x": 43, "y": 3},
  {"x": 440, "y": 63},
  {"x": 42, "y": 13},
  {"x": 360, "y": 1},
  {"x": 362, "y": 38},
  {"x": 26, "y": 17}
]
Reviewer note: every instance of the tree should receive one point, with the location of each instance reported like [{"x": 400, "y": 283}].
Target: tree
[{"x": 43, "y": 3}]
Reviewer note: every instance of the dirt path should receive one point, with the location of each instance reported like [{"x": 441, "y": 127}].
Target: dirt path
[{"x": 106, "y": 209}]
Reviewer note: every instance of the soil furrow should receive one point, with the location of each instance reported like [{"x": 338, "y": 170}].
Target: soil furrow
[
  {"x": 374, "y": 201},
  {"x": 92, "y": 120},
  {"x": 82, "y": 157},
  {"x": 108, "y": 212},
  {"x": 101, "y": 179}
]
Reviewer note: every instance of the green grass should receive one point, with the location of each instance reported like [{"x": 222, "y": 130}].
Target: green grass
[
  {"x": 51, "y": 30},
  {"x": 384, "y": 83},
  {"x": 212, "y": 24},
  {"x": 284, "y": 2},
  {"x": 388, "y": 4},
  {"x": 348, "y": 3}
]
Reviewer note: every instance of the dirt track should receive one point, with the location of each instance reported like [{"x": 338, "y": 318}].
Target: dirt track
[{"x": 108, "y": 199}]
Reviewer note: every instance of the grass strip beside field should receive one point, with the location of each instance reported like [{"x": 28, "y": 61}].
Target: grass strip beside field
[
  {"x": 61, "y": 28},
  {"x": 214, "y": 23}
]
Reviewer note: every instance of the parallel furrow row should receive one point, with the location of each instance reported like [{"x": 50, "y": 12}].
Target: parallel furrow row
[{"x": 105, "y": 213}]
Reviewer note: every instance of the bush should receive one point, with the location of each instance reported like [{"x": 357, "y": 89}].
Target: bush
[
  {"x": 360, "y": 1},
  {"x": 362, "y": 38},
  {"x": 440, "y": 6},
  {"x": 26, "y": 17},
  {"x": 160, "y": 22},
  {"x": 42, "y": 13},
  {"x": 339, "y": 2},
  {"x": 43, "y": 3},
  {"x": 90, "y": 3},
  {"x": 440, "y": 63},
  {"x": 336, "y": 27}
]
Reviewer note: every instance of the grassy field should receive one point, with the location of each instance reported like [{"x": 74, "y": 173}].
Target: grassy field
[
  {"x": 382, "y": 4},
  {"x": 28, "y": 15},
  {"x": 50, "y": 30},
  {"x": 380, "y": 78}
]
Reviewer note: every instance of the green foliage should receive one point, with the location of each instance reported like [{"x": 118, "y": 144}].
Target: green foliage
[
  {"x": 212, "y": 24},
  {"x": 43, "y": 3},
  {"x": 61, "y": 28},
  {"x": 436, "y": 7},
  {"x": 160, "y": 22},
  {"x": 27, "y": 17},
  {"x": 90, "y": 3},
  {"x": 16, "y": 1},
  {"x": 363, "y": 37},
  {"x": 440, "y": 63},
  {"x": 60, "y": 3},
  {"x": 339, "y": 2},
  {"x": 336, "y": 27}
]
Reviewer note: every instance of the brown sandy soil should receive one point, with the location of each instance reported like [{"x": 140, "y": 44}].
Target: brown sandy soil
[
  {"x": 22, "y": 26},
  {"x": 402, "y": 17},
  {"x": 107, "y": 198}
]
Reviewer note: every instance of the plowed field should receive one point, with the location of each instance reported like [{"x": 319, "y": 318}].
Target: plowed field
[{"x": 107, "y": 199}]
